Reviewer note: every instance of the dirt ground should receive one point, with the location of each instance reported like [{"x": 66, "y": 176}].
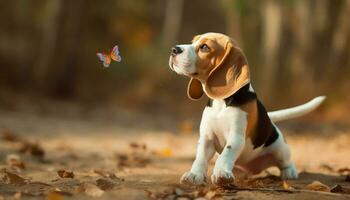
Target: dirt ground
[{"x": 137, "y": 157}]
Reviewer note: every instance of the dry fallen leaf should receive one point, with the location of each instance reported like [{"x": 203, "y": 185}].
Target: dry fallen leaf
[
  {"x": 137, "y": 145},
  {"x": 138, "y": 158},
  {"x": 286, "y": 186},
  {"x": 105, "y": 184},
  {"x": 260, "y": 182},
  {"x": 54, "y": 196},
  {"x": 318, "y": 186},
  {"x": 90, "y": 190},
  {"x": 337, "y": 189},
  {"x": 14, "y": 160},
  {"x": 10, "y": 136},
  {"x": 166, "y": 152},
  {"x": 344, "y": 171},
  {"x": 65, "y": 174},
  {"x": 12, "y": 178},
  {"x": 33, "y": 149},
  {"x": 107, "y": 174}
]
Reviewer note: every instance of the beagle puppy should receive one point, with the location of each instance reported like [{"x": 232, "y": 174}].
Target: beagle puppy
[{"x": 234, "y": 122}]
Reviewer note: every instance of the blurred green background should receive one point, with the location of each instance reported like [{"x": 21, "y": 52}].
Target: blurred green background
[{"x": 297, "y": 49}]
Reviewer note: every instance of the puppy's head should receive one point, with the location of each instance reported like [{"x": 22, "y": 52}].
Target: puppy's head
[{"x": 214, "y": 63}]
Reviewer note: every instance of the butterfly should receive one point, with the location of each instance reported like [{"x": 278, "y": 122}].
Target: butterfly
[{"x": 107, "y": 58}]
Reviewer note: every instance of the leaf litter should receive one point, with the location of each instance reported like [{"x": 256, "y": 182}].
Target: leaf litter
[
  {"x": 32, "y": 148},
  {"x": 65, "y": 174},
  {"x": 269, "y": 184},
  {"x": 318, "y": 186},
  {"x": 12, "y": 178},
  {"x": 140, "y": 156},
  {"x": 25, "y": 187},
  {"x": 14, "y": 161},
  {"x": 10, "y": 136},
  {"x": 89, "y": 189},
  {"x": 26, "y": 146}
]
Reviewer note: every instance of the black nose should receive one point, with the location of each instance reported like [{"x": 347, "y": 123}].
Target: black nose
[{"x": 176, "y": 50}]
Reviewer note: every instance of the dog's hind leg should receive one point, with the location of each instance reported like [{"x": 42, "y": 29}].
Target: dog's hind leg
[{"x": 282, "y": 158}]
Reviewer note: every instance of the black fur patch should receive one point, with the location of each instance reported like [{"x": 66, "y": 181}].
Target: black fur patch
[
  {"x": 272, "y": 138},
  {"x": 263, "y": 128},
  {"x": 210, "y": 103},
  {"x": 241, "y": 97},
  {"x": 265, "y": 132}
]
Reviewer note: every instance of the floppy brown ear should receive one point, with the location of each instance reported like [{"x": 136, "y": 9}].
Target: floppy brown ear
[
  {"x": 230, "y": 75},
  {"x": 194, "y": 89}
]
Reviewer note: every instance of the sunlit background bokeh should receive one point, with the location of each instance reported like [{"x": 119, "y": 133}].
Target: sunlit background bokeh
[{"x": 297, "y": 49}]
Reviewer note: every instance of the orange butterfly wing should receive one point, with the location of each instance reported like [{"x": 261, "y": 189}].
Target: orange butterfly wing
[
  {"x": 115, "y": 54},
  {"x": 106, "y": 59}
]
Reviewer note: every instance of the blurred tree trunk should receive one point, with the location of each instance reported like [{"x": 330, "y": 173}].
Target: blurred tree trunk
[
  {"x": 172, "y": 21},
  {"x": 271, "y": 14},
  {"x": 302, "y": 30},
  {"x": 66, "y": 71},
  {"x": 340, "y": 40},
  {"x": 321, "y": 10},
  {"x": 233, "y": 20},
  {"x": 49, "y": 38},
  {"x": 321, "y": 32}
]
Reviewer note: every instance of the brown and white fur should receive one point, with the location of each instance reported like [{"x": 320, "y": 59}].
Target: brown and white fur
[{"x": 234, "y": 123}]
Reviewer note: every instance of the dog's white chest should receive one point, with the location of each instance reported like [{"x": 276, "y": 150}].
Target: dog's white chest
[
  {"x": 220, "y": 121},
  {"x": 225, "y": 125}
]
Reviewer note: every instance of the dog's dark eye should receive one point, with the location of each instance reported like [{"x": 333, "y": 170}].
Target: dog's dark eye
[{"x": 204, "y": 48}]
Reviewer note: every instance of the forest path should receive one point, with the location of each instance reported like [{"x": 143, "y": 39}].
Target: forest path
[{"x": 112, "y": 160}]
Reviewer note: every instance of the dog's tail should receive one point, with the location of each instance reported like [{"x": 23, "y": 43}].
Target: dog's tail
[{"x": 296, "y": 111}]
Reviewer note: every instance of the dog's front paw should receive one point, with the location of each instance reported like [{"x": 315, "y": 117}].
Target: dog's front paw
[
  {"x": 193, "y": 178},
  {"x": 289, "y": 172},
  {"x": 222, "y": 177}
]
